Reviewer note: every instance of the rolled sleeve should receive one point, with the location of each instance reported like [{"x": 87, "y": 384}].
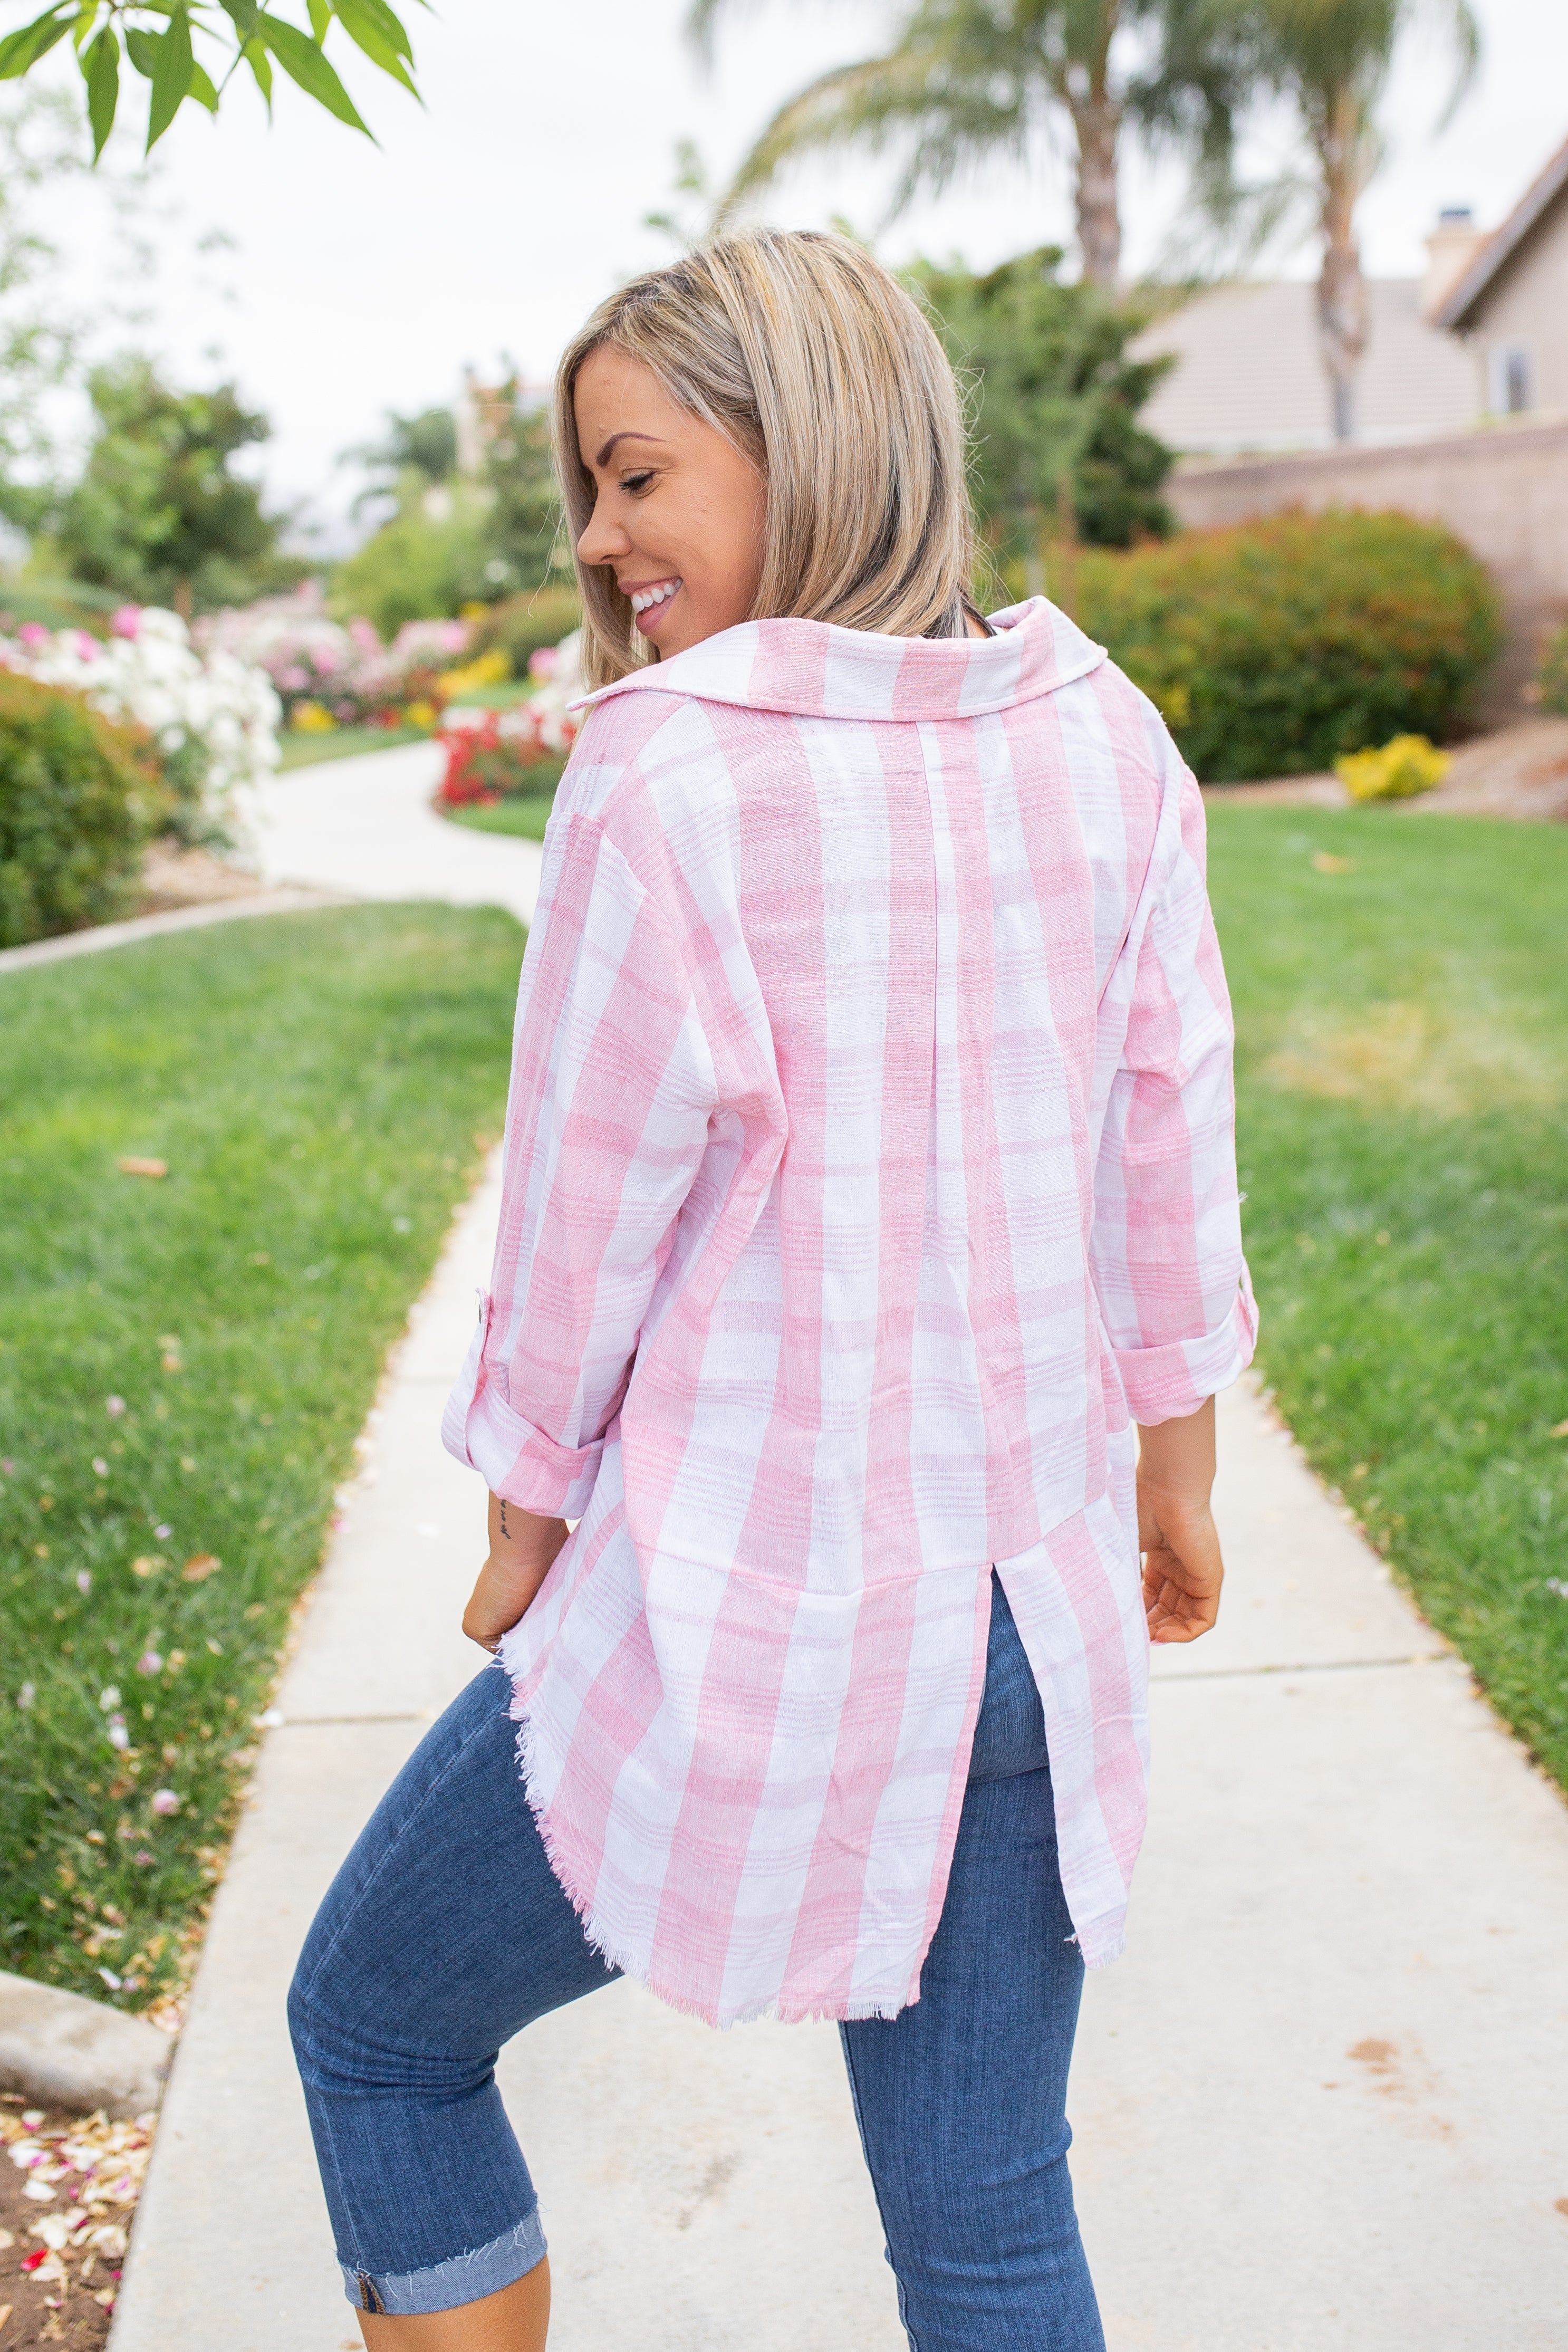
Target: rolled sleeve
[
  {"x": 514, "y": 1459},
  {"x": 606, "y": 1126},
  {"x": 1164, "y": 1383},
  {"x": 1173, "y": 1288}
]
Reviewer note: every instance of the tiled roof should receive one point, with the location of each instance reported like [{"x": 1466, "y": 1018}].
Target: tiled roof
[
  {"x": 1250, "y": 374},
  {"x": 1536, "y": 202}
]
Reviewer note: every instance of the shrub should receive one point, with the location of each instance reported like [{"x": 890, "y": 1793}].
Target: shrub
[
  {"x": 1551, "y": 691},
  {"x": 420, "y": 566},
  {"x": 78, "y": 800},
  {"x": 1273, "y": 647},
  {"x": 520, "y": 626},
  {"x": 1055, "y": 397},
  {"x": 1403, "y": 767}
]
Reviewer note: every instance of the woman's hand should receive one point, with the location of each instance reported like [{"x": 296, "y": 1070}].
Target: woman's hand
[
  {"x": 1183, "y": 1571},
  {"x": 522, "y": 1547}
]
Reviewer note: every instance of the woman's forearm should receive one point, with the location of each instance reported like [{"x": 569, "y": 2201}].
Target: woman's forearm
[
  {"x": 1176, "y": 1458},
  {"x": 1183, "y": 1569}
]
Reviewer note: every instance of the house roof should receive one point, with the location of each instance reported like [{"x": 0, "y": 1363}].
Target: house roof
[
  {"x": 1250, "y": 377},
  {"x": 1536, "y": 202}
]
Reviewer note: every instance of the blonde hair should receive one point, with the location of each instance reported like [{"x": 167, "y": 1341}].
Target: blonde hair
[{"x": 822, "y": 369}]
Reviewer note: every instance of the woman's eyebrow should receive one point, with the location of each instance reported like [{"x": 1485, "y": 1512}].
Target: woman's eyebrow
[{"x": 630, "y": 434}]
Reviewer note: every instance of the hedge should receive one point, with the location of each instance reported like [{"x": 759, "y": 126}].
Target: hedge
[
  {"x": 1273, "y": 647},
  {"x": 78, "y": 800},
  {"x": 524, "y": 624}
]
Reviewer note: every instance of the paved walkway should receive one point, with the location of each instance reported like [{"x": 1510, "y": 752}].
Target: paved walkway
[
  {"x": 1318, "y": 2104},
  {"x": 365, "y": 825}
]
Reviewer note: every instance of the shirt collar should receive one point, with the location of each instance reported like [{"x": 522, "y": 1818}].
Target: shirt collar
[{"x": 813, "y": 670}]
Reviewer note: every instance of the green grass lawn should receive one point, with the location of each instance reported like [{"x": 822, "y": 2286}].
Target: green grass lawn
[
  {"x": 523, "y": 815},
  {"x": 184, "y": 1363},
  {"x": 1402, "y": 1117},
  {"x": 307, "y": 749}
]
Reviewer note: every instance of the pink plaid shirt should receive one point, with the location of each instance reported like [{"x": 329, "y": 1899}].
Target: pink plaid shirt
[{"x": 869, "y": 1166}]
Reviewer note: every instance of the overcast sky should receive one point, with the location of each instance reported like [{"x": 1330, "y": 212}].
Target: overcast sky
[{"x": 366, "y": 277}]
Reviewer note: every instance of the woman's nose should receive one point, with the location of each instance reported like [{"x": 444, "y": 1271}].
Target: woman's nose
[{"x": 603, "y": 540}]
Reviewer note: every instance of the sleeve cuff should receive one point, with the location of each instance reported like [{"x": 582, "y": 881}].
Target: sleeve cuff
[
  {"x": 516, "y": 1460},
  {"x": 1167, "y": 1383}
]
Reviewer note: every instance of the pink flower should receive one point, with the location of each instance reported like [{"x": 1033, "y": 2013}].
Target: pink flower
[
  {"x": 164, "y": 1801},
  {"x": 125, "y": 621},
  {"x": 33, "y": 635},
  {"x": 542, "y": 663},
  {"x": 149, "y": 1662},
  {"x": 87, "y": 647},
  {"x": 114, "y": 1407}
]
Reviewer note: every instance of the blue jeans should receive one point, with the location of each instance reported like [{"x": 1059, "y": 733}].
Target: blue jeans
[{"x": 445, "y": 1932}]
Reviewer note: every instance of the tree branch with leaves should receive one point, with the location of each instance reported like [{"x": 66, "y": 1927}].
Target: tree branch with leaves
[{"x": 172, "y": 44}]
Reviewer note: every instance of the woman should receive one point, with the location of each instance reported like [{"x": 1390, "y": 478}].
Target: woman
[{"x": 869, "y": 1169}]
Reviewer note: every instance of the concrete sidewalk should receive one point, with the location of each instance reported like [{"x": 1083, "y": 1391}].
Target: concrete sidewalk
[
  {"x": 1318, "y": 2104},
  {"x": 365, "y": 825}
]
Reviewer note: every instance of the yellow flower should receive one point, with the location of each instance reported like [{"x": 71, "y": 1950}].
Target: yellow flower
[
  {"x": 419, "y": 714},
  {"x": 312, "y": 719},
  {"x": 1405, "y": 766},
  {"x": 487, "y": 669}
]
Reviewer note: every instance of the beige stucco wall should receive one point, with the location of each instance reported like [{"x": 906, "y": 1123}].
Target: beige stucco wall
[
  {"x": 1526, "y": 306},
  {"x": 1504, "y": 491}
]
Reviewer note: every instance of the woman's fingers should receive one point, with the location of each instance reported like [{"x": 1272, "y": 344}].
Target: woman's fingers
[
  {"x": 500, "y": 1597},
  {"x": 1183, "y": 1572}
]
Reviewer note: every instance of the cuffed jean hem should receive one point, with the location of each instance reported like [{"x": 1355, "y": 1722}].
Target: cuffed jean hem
[{"x": 463, "y": 2278}]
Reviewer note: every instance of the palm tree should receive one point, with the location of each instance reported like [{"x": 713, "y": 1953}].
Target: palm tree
[
  {"x": 1331, "y": 59},
  {"x": 967, "y": 80}
]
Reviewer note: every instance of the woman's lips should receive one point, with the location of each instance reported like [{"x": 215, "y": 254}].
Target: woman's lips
[{"x": 650, "y": 603}]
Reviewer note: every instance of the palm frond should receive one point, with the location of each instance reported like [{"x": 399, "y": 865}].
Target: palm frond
[
  {"x": 1465, "y": 33},
  {"x": 961, "y": 84}
]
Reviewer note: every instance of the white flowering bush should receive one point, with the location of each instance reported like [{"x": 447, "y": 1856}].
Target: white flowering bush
[{"x": 212, "y": 716}]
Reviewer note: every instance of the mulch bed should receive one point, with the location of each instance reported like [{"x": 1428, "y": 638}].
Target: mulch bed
[
  {"x": 66, "y": 2198},
  {"x": 1520, "y": 771},
  {"x": 174, "y": 877}
]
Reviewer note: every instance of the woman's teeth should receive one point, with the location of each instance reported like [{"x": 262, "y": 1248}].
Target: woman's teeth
[{"x": 645, "y": 597}]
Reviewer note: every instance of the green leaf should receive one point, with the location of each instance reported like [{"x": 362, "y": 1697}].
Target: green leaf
[
  {"x": 202, "y": 88},
  {"x": 141, "y": 48},
  {"x": 360, "y": 21},
  {"x": 387, "y": 22},
  {"x": 320, "y": 17},
  {"x": 101, "y": 65},
  {"x": 23, "y": 49},
  {"x": 260, "y": 64},
  {"x": 303, "y": 62},
  {"x": 171, "y": 77},
  {"x": 244, "y": 15}
]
